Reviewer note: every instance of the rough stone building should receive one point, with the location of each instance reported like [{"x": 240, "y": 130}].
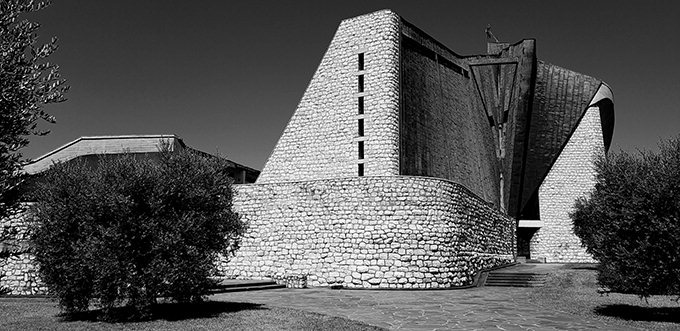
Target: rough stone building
[{"x": 406, "y": 165}]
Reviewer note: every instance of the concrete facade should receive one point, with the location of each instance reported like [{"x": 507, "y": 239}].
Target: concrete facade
[{"x": 443, "y": 132}]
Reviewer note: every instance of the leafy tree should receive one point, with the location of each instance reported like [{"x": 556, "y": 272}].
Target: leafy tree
[
  {"x": 631, "y": 222},
  {"x": 132, "y": 229},
  {"x": 27, "y": 83}
]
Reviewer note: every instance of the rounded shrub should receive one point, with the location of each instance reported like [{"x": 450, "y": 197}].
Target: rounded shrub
[
  {"x": 127, "y": 230},
  {"x": 631, "y": 221}
]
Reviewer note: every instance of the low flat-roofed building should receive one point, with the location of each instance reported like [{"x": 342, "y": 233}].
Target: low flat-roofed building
[{"x": 93, "y": 148}]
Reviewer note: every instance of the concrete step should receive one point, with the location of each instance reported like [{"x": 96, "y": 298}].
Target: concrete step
[
  {"x": 517, "y": 279},
  {"x": 499, "y": 273},
  {"x": 510, "y": 281},
  {"x": 515, "y": 285},
  {"x": 528, "y": 281},
  {"x": 245, "y": 288},
  {"x": 244, "y": 285}
]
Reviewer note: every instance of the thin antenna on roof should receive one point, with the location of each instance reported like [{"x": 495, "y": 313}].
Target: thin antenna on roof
[{"x": 489, "y": 35}]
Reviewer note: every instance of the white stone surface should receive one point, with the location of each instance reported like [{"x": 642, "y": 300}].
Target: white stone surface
[
  {"x": 320, "y": 139},
  {"x": 19, "y": 273},
  {"x": 369, "y": 232},
  {"x": 572, "y": 176}
]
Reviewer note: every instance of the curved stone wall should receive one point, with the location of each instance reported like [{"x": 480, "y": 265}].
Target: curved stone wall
[
  {"x": 361, "y": 232},
  {"x": 369, "y": 232}
]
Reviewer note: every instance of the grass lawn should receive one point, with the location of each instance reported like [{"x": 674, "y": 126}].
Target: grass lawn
[
  {"x": 42, "y": 314},
  {"x": 574, "y": 290}
]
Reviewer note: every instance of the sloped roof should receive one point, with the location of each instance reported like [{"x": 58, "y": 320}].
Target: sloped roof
[
  {"x": 561, "y": 98},
  {"x": 101, "y": 145}
]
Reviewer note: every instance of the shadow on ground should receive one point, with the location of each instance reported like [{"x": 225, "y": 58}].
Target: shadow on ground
[
  {"x": 581, "y": 266},
  {"x": 164, "y": 311},
  {"x": 639, "y": 313}
]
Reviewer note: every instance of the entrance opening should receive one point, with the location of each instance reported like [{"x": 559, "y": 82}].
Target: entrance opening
[{"x": 524, "y": 236}]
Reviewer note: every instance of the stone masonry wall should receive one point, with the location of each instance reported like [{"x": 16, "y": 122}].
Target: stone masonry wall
[
  {"x": 571, "y": 176},
  {"x": 19, "y": 273},
  {"x": 361, "y": 232},
  {"x": 369, "y": 232},
  {"x": 320, "y": 141}
]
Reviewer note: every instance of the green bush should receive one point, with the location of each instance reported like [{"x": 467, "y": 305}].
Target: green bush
[
  {"x": 130, "y": 230},
  {"x": 631, "y": 222}
]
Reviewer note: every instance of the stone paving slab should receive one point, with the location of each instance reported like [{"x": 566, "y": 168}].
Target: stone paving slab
[{"x": 481, "y": 308}]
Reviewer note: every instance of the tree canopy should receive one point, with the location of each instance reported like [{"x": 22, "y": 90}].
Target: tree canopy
[
  {"x": 28, "y": 82},
  {"x": 130, "y": 230},
  {"x": 631, "y": 222}
]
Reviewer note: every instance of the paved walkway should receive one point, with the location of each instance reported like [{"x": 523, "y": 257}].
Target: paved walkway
[{"x": 482, "y": 308}]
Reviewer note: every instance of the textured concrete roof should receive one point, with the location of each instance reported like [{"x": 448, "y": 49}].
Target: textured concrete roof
[{"x": 103, "y": 145}]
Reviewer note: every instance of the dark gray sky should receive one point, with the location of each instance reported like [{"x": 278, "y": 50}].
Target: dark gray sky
[{"x": 227, "y": 75}]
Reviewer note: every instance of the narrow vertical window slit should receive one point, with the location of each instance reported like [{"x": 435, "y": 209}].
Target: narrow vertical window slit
[{"x": 361, "y": 150}]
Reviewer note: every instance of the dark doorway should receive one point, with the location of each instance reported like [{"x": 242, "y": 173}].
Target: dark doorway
[{"x": 523, "y": 241}]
